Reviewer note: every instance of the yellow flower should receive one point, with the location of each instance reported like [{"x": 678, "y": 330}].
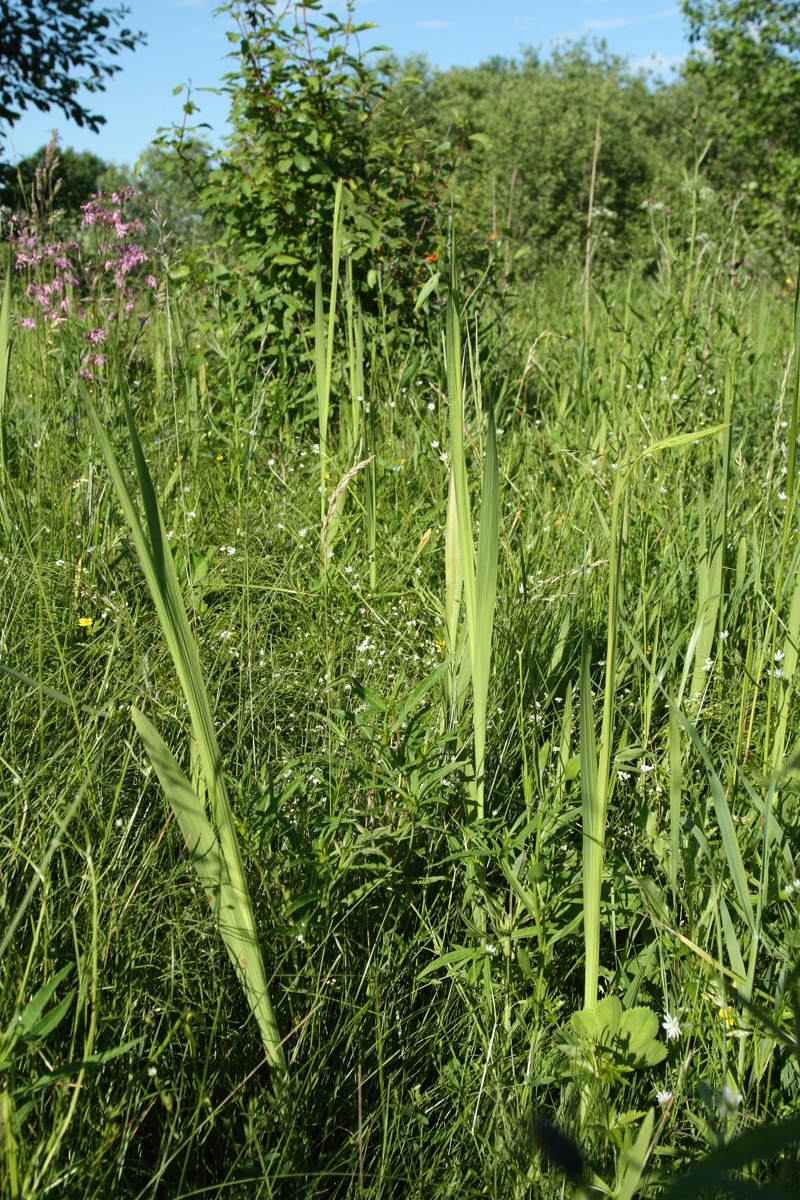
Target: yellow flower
[
  {"x": 726, "y": 1015},
  {"x": 85, "y": 622},
  {"x": 220, "y": 457}
]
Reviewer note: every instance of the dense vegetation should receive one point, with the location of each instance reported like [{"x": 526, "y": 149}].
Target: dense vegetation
[{"x": 402, "y": 617}]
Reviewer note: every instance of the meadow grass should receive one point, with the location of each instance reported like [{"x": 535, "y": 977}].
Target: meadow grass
[{"x": 510, "y": 825}]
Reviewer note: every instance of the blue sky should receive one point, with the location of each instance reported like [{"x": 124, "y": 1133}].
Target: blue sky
[{"x": 186, "y": 41}]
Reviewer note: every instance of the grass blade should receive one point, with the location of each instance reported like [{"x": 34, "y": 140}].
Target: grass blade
[
  {"x": 155, "y": 556},
  {"x": 230, "y": 906}
]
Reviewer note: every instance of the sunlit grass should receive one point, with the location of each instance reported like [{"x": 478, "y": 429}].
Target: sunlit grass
[{"x": 530, "y": 737}]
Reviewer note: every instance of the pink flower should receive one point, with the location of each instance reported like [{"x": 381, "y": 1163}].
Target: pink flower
[
  {"x": 27, "y": 322},
  {"x": 150, "y": 280}
]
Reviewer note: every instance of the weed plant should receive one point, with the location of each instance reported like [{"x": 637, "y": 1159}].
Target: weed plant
[{"x": 488, "y": 977}]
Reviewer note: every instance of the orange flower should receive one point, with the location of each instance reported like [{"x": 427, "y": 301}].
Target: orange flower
[{"x": 432, "y": 257}]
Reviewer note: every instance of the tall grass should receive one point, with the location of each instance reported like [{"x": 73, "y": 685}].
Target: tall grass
[
  {"x": 213, "y": 849},
  {"x": 596, "y": 568},
  {"x": 474, "y": 571}
]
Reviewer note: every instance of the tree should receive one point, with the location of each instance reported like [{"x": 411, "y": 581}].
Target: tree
[
  {"x": 79, "y": 173},
  {"x": 748, "y": 63},
  {"x": 50, "y": 49},
  {"x": 307, "y": 110}
]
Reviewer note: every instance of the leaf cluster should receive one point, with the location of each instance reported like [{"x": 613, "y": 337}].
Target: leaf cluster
[
  {"x": 747, "y": 67},
  {"x": 45, "y": 43},
  {"x": 307, "y": 109}
]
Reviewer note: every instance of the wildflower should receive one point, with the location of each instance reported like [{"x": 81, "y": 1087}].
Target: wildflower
[
  {"x": 727, "y": 1016},
  {"x": 490, "y": 948},
  {"x": 664, "y": 1097},
  {"x": 671, "y": 1026},
  {"x": 85, "y": 622},
  {"x": 731, "y": 1099}
]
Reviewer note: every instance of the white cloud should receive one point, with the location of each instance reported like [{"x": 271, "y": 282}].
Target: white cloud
[
  {"x": 620, "y": 22},
  {"x": 435, "y": 24}
]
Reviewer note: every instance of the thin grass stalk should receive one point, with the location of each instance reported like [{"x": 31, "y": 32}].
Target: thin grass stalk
[
  {"x": 597, "y": 786},
  {"x": 479, "y": 570},
  {"x": 323, "y": 346},
  {"x": 5, "y": 360},
  {"x": 216, "y": 856},
  {"x": 587, "y": 269},
  {"x": 592, "y": 831},
  {"x": 595, "y": 800},
  {"x": 454, "y": 588}
]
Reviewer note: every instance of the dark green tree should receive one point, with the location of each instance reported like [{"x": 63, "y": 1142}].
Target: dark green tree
[
  {"x": 525, "y": 169},
  {"x": 747, "y": 61},
  {"x": 307, "y": 109},
  {"x": 79, "y": 173},
  {"x": 51, "y": 49}
]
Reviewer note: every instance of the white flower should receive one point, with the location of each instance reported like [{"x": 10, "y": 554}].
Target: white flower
[
  {"x": 779, "y": 656},
  {"x": 671, "y": 1026},
  {"x": 490, "y": 949},
  {"x": 731, "y": 1099},
  {"x": 664, "y": 1097}
]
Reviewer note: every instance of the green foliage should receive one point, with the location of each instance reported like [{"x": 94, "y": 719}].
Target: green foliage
[
  {"x": 170, "y": 178},
  {"x": 525, "y": 170},
  {"x": 51, "y": 49},
  {"x": 426, "y": 969},
  {"x": 748, "y": 69},
  {"x": 609, "y": 1041},
  {"x": 308, "y": 110},
  {"x": 79, "y": 174}
]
